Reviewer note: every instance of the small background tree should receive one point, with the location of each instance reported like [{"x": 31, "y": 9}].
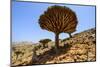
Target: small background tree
[{"x": 44, "y": 42}]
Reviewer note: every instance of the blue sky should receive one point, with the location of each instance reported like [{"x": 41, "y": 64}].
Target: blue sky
[{"x": 25, "y": 17}]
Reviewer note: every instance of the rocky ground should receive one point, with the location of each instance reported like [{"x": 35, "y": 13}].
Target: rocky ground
[{"x": 80, "y": 48}]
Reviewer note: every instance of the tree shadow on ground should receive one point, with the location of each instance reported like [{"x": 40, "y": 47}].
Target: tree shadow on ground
[{"x": 49, "y": 55}]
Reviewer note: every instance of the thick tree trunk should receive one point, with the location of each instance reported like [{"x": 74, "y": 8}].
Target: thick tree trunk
[
  {"x": 70, "y": 35},
  {"x": 57, "y": 42}
]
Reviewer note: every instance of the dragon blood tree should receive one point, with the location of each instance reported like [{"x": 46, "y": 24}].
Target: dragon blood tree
[{"x": 58, "y": 19}]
